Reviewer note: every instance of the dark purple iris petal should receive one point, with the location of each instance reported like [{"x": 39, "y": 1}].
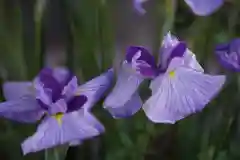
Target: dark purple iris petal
[
  {"x": 145, "y": 55},
  {"x": 46, "y": 77},
  {"x": 76, "y": 103}
]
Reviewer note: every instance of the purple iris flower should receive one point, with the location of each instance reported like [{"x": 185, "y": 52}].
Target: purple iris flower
[
  {"x": 229, "y": 55},
  {"x": 179, "y": 85},
  {"x": 55, "y": 97},
  {"x": 199, "y": 7},
  {"x": 124, "y": 99}
]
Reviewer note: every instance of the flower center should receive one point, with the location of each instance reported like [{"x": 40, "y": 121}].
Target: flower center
[
  {"x": 171, "y": 74},
  {"x": 58, "y": 117}
]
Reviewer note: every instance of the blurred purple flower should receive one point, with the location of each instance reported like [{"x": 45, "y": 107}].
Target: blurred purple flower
[
  {"x": 55, "y": 93},
  {"x": 229, "y": 55},
  {"x": 199, "y": 7},
  {"x": 181, "y": 88},
  {"x": 124, "y": 99}
]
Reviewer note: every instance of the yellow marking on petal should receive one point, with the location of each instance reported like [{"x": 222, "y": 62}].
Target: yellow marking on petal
[
  {"x": 58, "y": 117},
  {"x": 172, "y": 74}
]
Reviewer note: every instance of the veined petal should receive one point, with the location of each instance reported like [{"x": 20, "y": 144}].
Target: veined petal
[
  {"x": 95, "y": 88},
  {"x": 130, "y": 108},
  {"x": 126, "y": 86},
  {"x": 204, "y": 7},
  {"x": 15, "y": 90},
  {"x": 181, "y": 92},
  {"x": 50, "y": 133},
  {"x": 24, "y": 109}
]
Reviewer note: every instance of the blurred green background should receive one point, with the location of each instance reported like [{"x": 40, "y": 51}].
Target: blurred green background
[{"x": 90, "y": 36}]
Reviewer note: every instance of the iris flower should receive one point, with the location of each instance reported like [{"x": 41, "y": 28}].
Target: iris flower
[
  {"x": 64, "y": 107},
  {"x": 179, "y": 85},
  {"x": 228, "y": 55},
  {"x": 199, "y": 7}
]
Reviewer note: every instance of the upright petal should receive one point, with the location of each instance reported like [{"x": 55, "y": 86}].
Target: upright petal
[
  {"x": 50, "y": 133},
  {"x": 95, "y": 88},
  {"x": 62, "y": 75},
  {"x": 126, "y": 86},
  {"x": 181, "y": 92},
  {"x": 204, "y": 7},
  {"x": 15, "y": 90},
  {"x": 172, "y": 47},
  {"x": 49, "y": 82},
  {"x": 141, "y": 61},
  {"x": 70, "y": 89},
  {"x": 24, "y": 109}
]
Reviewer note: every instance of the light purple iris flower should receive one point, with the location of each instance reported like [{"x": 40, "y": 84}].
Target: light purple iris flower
[
  {"x": 199, "y": 7},
  {"x": 183, "y": 88},
  {"x": 179, "y": 85},
  {"x": 55, "y": 97},
  {"x": 124, "y": 99},
  {"x": 229, "y": 55}
]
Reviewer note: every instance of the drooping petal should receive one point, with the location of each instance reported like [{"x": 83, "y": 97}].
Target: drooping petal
[
  {"x": 138, "y": 6},
  {"x": 95, "y": 88},
  {"x": 129, "y": 109},
  {"x": 229, "y": 55},
  {"x": 51, "y": 133},
  {"x": 204, "y": 7},
  {"x": 24, "y": 109},
  {"x": 181, "y": 92},
  {"x": 15, "y": 90},
  {"x": 126, "y": 86}
]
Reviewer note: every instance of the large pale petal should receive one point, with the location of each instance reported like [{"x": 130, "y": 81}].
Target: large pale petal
[
  {"x": 51, "y": 133},
  {"x": 24, "y": 109},
  {"x": 181, "y": 93},
  {"x": 204, "y": 7},
  {"x": 95, "y": 88},
  {"x": 126, "y": 86},
  {"x": 15, "y": 90}
]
